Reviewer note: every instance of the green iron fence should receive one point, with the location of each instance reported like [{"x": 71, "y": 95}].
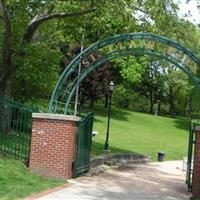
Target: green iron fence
[
  {"x": 15, "y": 129},
  {"x": 84, "y": 141}
]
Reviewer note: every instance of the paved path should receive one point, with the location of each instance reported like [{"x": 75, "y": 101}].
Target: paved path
[{"x": 153, "y": 181}]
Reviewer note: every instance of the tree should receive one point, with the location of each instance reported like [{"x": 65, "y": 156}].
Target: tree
[
  {"x": 152, "y": 84},
  {"x": 20, "y": 23},
  {"x": 175, "y": 82},
  {"x": 31, "y": 15}
]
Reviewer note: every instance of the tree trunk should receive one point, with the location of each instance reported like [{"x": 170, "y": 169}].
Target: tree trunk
[
  {"x": 186, "y": 109},
  {"x": 40, "y": 19},
  {"x": 5, "y": 88},
  {"x": 159, "y": 107},
  {"x": 7, "y": 70},
  {"x": 151, "y": 101},
  {"x": 5, "y": 117},
  {"x": 5, "y": 109},
  {"x": 7, "y": 67},
  {"x": 92, "y": 101},
  {"x": 172, "y": 111}
]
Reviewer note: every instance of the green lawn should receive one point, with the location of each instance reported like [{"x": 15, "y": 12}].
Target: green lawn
[
  {"x": 17, "y": 182},
  {"x": 141, "y": 133}
]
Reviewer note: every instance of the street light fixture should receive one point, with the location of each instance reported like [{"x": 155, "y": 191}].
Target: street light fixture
[{"x": 111, "y": 88}]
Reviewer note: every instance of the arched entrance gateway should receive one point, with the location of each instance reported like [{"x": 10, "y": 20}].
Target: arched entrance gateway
[{"x": 133, "y": 44}]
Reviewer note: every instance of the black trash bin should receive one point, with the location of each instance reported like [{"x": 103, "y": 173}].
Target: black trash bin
[{"x": 161, "y": 156}]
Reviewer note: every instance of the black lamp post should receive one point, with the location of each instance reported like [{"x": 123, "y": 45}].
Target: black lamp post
[{"x": 111, "y": 88}]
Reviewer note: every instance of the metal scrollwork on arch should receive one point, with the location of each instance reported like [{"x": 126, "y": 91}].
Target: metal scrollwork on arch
[{"x": 134, "y": 44}]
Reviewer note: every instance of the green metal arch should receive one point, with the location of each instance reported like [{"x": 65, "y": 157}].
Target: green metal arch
[
  {"x": 66, "y": 89},
  {"x": 126, "y": 52}
]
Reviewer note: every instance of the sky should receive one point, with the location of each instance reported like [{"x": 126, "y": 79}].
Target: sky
[{"x": 184, "y": 9}]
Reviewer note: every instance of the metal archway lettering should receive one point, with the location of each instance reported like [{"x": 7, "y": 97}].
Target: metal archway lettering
[{"x": 135, "y": 44}]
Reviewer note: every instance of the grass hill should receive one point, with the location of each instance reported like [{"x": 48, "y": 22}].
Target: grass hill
[
  {"x": 142, "y": 133},
  {"x": 17, "y": 182}
]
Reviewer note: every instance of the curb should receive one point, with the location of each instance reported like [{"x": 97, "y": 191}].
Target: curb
[
  {"x": 116, "y": 158},
  {"x": 48, "y": 191}
]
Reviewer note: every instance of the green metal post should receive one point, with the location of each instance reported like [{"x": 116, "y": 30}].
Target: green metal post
[
  {"x": 190, "y": 150},
  {"x": 106, "y": 146},
  {"x": 111, "y": 88}
]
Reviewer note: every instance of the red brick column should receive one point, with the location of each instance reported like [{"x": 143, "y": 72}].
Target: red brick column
[
  {"x": 53, "y": 145},
  {"x": 196, "y": 167}
]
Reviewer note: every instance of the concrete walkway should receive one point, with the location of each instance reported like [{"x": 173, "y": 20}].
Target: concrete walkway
[{"x": 153, "y": 181}]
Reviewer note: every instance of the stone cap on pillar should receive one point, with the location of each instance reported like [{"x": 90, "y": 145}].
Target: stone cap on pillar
[
  {"x": 197, "y": 129},
  {"x": 55, "y": 117}
]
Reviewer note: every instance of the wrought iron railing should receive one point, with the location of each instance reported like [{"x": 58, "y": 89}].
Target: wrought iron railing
[{"x": 15, "y": 129}]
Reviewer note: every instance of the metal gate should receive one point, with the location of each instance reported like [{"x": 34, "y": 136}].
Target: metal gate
[
  {"x": 191, "y": 143},
  {"x": 190, "y": 156},
  {"x": 84, "y": 141}
]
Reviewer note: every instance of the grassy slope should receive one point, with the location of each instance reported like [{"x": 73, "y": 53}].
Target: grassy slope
[
  {"x": 142, "y": 133},
  {"x": 17, "y": 182}
]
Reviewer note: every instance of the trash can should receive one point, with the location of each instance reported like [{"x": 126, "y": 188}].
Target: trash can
[{"x": 161, "y": 156}]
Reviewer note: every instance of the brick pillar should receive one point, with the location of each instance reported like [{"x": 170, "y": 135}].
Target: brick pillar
[
  {"x": 196, "y": 167},
  {"x": 53, "y": 145}
]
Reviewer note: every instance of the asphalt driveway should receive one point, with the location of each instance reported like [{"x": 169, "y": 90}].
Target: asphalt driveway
[{"x": 152, "y": 181}]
